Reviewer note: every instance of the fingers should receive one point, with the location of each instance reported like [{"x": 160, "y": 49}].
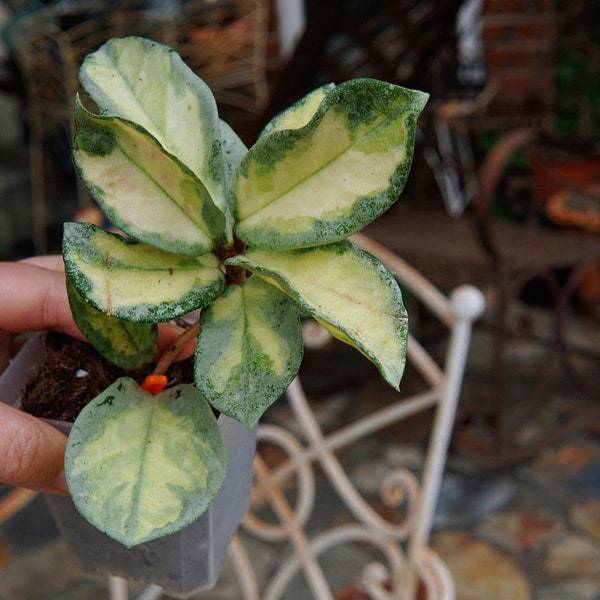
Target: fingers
[
  {"x": 31, "y": 452},
  {"x": 34, "y": 298},
  {"x": 54, "y": 262}
]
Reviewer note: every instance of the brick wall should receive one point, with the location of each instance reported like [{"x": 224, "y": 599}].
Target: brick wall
[{"x": 518, "y": 37}]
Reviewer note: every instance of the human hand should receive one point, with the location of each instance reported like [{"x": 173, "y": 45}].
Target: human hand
[
  {"x": 33, "y": 297},
  {"x": 31, "y": 452}
]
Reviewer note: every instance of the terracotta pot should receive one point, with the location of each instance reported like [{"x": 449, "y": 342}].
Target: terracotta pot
[
  {"x": 183, "y": 563},
  {"x": 554, "y": 168}
]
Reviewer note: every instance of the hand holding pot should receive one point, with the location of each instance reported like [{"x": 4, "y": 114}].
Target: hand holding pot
[{"x": 33, "y": 297}]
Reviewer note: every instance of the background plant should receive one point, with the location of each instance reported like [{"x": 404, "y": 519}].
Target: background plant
[{"x": 256, "y": 238}]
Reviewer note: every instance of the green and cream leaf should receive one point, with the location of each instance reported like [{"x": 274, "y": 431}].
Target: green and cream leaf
[
  {"x": 141, "y": 189},
  {"x": 299, "y": 114},
  {"x": 147, "y": 83},
  {"x": 249, "y": 349},
  {"x": 315, "y": 185},
  {"x": 123, "y": 343},
  {"x": 140, "y": 466},
  {"x": 135, "y": 281},
  {"x": 346, "y": 290},
  {"x": 233, "y": 151}
]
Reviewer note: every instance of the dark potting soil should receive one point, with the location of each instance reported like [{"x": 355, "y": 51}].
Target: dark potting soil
[{"x": 73, "y": 373}]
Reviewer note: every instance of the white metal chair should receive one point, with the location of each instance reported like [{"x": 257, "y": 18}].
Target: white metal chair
[{"x": 403, "y": 545}]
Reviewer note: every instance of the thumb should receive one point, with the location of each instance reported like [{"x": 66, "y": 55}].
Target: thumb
[
  {"x": 33, "y": 299},
  {"x": 31, "y": 452}
]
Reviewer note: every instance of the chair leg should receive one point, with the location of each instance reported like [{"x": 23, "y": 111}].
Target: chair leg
[
  {"x": 582, "y": 377},
  {"x": 543, "y": 375}
]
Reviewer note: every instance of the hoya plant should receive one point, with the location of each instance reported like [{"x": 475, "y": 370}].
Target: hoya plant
[{"x": 254, "y": 238}]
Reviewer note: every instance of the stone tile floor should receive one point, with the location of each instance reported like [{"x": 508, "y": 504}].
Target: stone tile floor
[{"x": 530, "y": 531}]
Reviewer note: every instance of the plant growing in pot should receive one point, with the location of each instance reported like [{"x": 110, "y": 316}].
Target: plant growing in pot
[{"x": 250, "y": 241}]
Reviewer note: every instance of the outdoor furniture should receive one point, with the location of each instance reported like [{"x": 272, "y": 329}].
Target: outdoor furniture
[
  {"x": 288, "y": 486},
  {"x": 447, "y": 225},
  {"x": 463, "y": 240}
]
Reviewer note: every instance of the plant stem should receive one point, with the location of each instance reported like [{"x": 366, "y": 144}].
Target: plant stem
[
  {"x": 173, "y": 350},
  {"x": 235, "y": 275}
]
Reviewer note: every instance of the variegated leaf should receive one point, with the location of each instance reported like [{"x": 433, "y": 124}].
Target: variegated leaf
[
  {"x": 233, "y": 151},
  {"x": 249, "y": 349},
  {"x": 346, "y": 290},
  {"x": 141, "y": 466},
  {"x": 147, "y": 83},
  {"x": 141, "y": 189},
  {"x": 134, "y": 281},
  {"x": 319, "y": 184},
  {"x": 125, "y": 344},
  {"x": 299, "y": 114}
]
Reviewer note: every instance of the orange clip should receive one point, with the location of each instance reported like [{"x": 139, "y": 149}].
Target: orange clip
[{"x": 154, "y": 383}]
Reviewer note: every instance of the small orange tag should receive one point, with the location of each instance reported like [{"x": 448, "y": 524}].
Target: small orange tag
[{"x": 154, "y": 383}]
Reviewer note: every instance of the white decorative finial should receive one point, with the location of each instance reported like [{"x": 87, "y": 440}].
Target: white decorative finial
[{"x": 468, "y": 302}]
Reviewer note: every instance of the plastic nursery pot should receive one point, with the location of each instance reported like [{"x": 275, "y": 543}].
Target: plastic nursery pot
[{"x": 183, "y": 563}]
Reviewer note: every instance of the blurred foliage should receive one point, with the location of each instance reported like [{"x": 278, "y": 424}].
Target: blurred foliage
[{"x": 577, "y": 74}]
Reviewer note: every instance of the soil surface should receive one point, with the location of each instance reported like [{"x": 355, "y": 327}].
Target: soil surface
[{"x": 73, "y": 373}]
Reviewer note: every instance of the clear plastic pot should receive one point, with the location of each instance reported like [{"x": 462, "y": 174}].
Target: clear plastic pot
[{"x": 183, "y": 563}]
